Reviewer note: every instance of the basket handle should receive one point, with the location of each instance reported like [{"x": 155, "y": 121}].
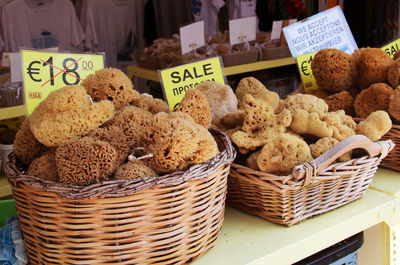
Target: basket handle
[{"x": 310, "y": 170}]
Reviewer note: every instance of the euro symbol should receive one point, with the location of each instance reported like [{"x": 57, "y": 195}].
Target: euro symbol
[
  {"x": 304, "y": 68},
  {"x": 33, "y": 71}
]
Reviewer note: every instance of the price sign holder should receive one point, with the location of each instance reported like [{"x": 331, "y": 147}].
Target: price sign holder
[
  {"x": 176, "y": 81},
  {"x": 242, "y": 30},
  {"x": 392, "y": 47},
  {"x": 44, "y": 72},
  {"x": 192, "y": 37},
  {"x": 304, "y": 65}
]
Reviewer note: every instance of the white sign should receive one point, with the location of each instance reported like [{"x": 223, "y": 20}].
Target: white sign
[
  {"x": 277, "y": 28},
  {"x": 192, "y": 36},
  {"x": 242, "y": 30},
  {"x": 328, "y": 29}
]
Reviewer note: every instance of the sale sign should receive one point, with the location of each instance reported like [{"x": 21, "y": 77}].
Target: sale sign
[{"x": 44, "y": 72}]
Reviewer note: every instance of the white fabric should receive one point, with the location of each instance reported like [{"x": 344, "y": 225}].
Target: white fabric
[
  {"x": 208, "y": 13},
  {"x": 53, "y": 23},
  {"x": 113, "y": 26}
]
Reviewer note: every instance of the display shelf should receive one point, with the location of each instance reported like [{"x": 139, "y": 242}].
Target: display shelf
[
  {"x": 387, "y": 181},
  {"x": 149, "y": 74},
  {"x": 247, "y": 239},
  {"x": 12, "y": 112},
  {"x": 5, "y": 188}
]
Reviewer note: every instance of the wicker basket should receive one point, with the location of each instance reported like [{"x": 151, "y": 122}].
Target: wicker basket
[
  {"x": 242, "y": 57},
  {"x": 313, "y": 188},
  {"x": 392, "y": 160},
  {"x": 169, "y": 219}
]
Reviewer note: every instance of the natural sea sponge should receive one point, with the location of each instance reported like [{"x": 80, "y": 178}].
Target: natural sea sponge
[
  {"x": 230, "y": 120},
  {"x": 373, "y": 67},
  {"x": 323, "y": 145},
  {"x": 221, "y": 98},
  {"x": 176, "y": 142},
  {"x": 306, "y": 102},
  {"x": 342, "y": 100},
  {"x": 85, "y": 161},
  {"x": 196, "y": 105},
  {"x": 394, "y": 74},
  {"x": 394, "y": 104},
  {"x": 54, "y": 121},
  {"x": 116, "y": 137},
  {"x": 111, "y": 84},
  {"x": 376, "y": 125},
  {"x": 376, "y": 97},
  {"x": 251, "y": 161},
  {"x": 260, "y": 124},
  {"x": 342, "y": 125},
  {"x": 252, "y": 86},
  {"x": 304, "y": 122},
  {"x": 150, "y": 104},
  {"x": 132, "y": 121},
  {"x": 44, "y": 166},
  {"x": 283, "y": 153},
  {"x": 332, "y": 70},
  {"x": 134, "y": 170},
  {"x": 26, "y": 147}
]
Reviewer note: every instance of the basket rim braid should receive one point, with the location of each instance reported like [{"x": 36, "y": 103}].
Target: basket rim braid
[
  {"x": 312, "y": 188},
  {"x": 162, "y": 222},
  {"x": 118, "y": 188}
]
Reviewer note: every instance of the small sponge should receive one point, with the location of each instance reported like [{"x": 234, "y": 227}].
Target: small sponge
[
  {"x": 323, "y": 145},
  {"x": 133, "y": 170},
  {"x": 85, "y": 161},
  {"x": 111, "y": 84},
  {"x": 148, "y": 103},
  {"x": 196, "y": 105},
  {"x": 26, "y": 147},
  {"x": 376, "y": 125},
  {"x": 376, "y": 97},
  {"x": 44, "y": 166}
]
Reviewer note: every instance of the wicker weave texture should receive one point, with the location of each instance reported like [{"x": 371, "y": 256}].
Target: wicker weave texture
[
  {"x": 166, "y": 223},
  {"x": 392, "y": 161},
  {"x": 324, "y": 186}
]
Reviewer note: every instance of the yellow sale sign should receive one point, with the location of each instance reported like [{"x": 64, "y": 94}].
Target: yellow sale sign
[
  {"x": 392, "y": 47},
  {"x": 177, "y": 80},
  {"x": 304, "y": 65},
  {"x": 44, "y": 72}
]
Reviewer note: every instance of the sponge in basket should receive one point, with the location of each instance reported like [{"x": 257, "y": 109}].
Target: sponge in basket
[
  {"x": 177, "y": 142},
  {"x": 85, "y": 161}
]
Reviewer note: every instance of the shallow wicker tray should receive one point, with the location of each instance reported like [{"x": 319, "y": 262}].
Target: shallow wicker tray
[
  {"x": 169, "y": 219},
  {"x": 313, "y": 188},
  {"x": 242, "y": 57}
]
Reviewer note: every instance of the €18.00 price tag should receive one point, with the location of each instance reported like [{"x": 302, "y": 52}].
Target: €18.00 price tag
[
  {"x": 44, "y": 72},
  {"x": 304, "y": 65}
]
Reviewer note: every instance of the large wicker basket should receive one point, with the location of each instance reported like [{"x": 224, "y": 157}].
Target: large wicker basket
[
  {"x": 392, "y": 160},
  {"x": 169, "y": 219},
  {"x": 313, "y": 188}
]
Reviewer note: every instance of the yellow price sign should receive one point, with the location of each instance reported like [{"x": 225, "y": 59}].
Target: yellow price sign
[
  {"x": 304, "y": 65},
  {"x": 44, "y": 72},
  {"x": 177, "y": 80},
  {"x": 392, "y": 47}
]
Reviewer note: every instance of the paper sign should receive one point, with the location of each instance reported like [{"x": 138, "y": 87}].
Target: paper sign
[
  {"x": 277, "y": 28},
  {"x": 44, "y": 72},
  {"x": 304, "y": 65},
  {"x": 242, "y": 30},
  {"x": 328, "y": 29},
  {"x": 192, "y": 36},
  {"x": 177, "y": 80},
  {"x": 392, "y": 47}
]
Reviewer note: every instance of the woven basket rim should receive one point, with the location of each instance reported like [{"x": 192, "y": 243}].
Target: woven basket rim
[
  {"x": 120, "y": 188},
  {"x": 289, "y": 181}
]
